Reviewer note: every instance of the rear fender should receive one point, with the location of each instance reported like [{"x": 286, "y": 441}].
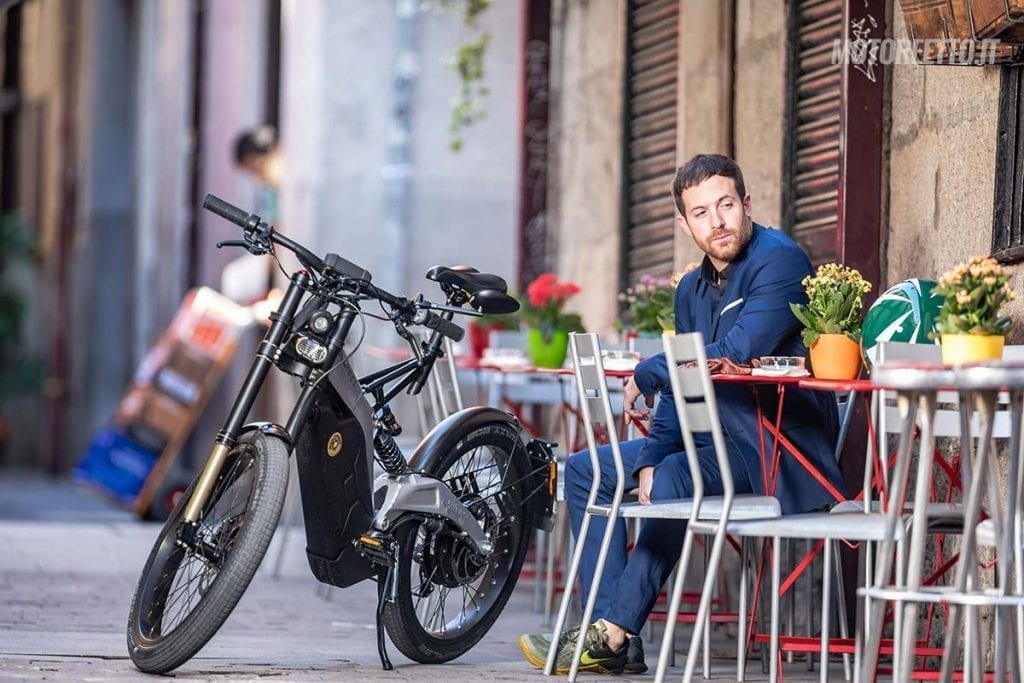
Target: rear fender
[{"x": 537, "y": 457}]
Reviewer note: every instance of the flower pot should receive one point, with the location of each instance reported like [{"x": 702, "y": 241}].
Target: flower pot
[
  {"x": 835, "y": 356},
  {"x": 547, "y": 354},
  {"x": 960, "y": 349},
  {"x": 479, "y": 339}
]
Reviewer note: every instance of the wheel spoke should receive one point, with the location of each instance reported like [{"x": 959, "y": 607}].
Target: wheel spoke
[{"x": 185, "y": 576}]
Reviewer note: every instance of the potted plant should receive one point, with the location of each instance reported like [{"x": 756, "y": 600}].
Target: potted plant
[
  {"x": 832, "y": 320},
  {"x": 969, "y": 325},
  {"x": 547, "y": 337},
  {"x": 650, "y": 306}
]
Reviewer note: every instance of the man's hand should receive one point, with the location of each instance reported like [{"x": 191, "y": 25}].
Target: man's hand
[
  {"x": 630, "y": 393},
  {"x": 645, "y": 478}
]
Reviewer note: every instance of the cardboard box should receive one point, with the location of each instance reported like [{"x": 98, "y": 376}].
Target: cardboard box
[{"x": 149, "y": 408}]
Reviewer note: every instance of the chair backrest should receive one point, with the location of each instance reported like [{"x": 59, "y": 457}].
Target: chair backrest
[
  {"x": 595, "y": 407},
  {"x": 696, "y": 407}
]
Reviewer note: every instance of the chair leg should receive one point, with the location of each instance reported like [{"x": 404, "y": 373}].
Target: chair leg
[
  {"x": 712, "y": 577},
  {"x": 588, "y": 610},
  {"x": 791, "y": 597},
  {"x": 842, "y": 615},
  {"x": 809, "y": 602},
  {"x": 826, "y": 586},
  {"x": 707, "y": 590},
  {"x": 563, "y": 609},
  {"x": 667, "y": 649},
  {"x": 773, "y": 662},
  {"x": 741, "y": 616}
]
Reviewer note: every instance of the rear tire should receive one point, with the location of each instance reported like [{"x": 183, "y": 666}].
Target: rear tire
[
  {"x": 182, "y": 598},
  {"x": 448, "y": 598}
]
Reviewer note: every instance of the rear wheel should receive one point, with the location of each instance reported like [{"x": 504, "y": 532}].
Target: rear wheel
[
  {"x": 185, "y": 593},
  {"x": 448, "y": 595}
]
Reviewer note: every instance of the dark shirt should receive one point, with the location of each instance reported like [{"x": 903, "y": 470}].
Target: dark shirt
[{"x": 717, "y": 281}]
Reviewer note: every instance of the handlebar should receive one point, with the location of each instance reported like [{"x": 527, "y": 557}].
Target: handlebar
[
  {"x": 436, "y": 322},
  {"x": 227, "y": 211},
  {"x": 259, "y": 236}
]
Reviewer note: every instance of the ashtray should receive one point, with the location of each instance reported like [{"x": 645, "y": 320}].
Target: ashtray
[
  {"x": 781, "y": 366},
  {"x": 615, "y": 359}
]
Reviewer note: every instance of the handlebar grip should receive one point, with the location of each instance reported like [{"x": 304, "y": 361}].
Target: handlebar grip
[
  {"x": 436, "y": 322},
  {"x": 226, "y": 210}
]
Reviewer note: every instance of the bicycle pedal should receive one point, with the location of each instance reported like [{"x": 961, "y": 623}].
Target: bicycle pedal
[{"x": 377, "y": 548}]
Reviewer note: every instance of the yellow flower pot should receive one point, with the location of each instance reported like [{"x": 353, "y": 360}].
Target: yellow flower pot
[
  {"x": 835, "y": 356},
  {"x": 961, "y": 349}
]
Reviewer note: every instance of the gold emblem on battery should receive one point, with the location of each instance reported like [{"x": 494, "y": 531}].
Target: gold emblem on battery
[{"x": 334, "y": 444}]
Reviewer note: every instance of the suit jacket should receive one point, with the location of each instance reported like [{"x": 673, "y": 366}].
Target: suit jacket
[{"x": 750, "y": 317}]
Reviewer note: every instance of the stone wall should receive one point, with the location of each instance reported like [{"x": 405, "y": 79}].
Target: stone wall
[
  {"x": 942, "y": 166},
  {"x": 759, "y": 107},
  {"x": 587, "y": 133}
]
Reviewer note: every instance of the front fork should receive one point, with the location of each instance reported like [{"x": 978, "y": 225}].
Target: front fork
[{"x": 281, "y": 322}]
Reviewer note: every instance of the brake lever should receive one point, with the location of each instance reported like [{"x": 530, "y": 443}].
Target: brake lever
[{"x": 232, "y": 243}]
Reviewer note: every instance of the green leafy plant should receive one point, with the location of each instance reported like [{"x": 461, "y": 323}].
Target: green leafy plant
[
  {"x": 546, "y": 296},
  {"x": 650, "y": 305},
  {"x": 468, "y": 63},
  {"x": 835, "y": 297},
  {"x": 19, "y": 372},
  {"x": 974, "y": 291}
]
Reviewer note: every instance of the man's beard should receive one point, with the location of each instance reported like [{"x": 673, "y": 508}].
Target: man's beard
[{"x": 730, "y": 250}]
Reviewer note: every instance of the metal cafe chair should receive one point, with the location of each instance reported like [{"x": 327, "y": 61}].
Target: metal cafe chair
[
  {"x": 596, "y": 409},
  {"x": 692, "y": 390}
]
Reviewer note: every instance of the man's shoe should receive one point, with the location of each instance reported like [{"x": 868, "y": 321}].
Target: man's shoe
[
  {"x": 635, "y": 663},
  {"x": 596, "y": 657}
]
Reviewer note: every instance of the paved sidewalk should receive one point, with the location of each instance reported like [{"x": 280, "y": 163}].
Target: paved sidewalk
[{"x": 65, "y": 588}]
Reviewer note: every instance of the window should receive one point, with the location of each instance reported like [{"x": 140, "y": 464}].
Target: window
[
  {"x": 649, "y": 153},
  {"x": 1008, "y": 203}
]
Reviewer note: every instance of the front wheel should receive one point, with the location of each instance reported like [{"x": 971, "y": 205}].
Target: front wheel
[
  {"x": 186, "y": 592},
  {"x": 448, "y": 596}
]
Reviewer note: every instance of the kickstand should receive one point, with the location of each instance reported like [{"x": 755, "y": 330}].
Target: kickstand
[{"x": 383, "y": 579}]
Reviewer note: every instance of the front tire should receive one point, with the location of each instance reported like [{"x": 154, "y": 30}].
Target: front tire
[
  {"x": 183, "y": 597},
  {"x": 447, "y": 596}
]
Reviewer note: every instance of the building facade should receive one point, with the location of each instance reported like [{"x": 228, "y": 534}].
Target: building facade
[{"x": 886, "y": 164}]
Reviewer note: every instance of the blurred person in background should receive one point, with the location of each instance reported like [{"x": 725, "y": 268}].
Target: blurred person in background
[{"x": 258, "y": 155}]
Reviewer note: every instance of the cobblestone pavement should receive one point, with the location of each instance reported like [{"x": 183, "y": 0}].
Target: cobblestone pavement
[{"x": 65, "y": 589}]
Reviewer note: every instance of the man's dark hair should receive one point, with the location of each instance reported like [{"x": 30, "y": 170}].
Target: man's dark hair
[
  {"x": 254, "y": 142},
  {"x": 700, "y": 168}
]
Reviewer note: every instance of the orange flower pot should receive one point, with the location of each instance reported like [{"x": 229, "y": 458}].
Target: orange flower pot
[
  {"x": 961, "y": 349},
  {"x": 835, "y": 356}
]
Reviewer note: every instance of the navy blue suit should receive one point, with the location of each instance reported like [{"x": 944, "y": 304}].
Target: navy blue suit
[{"x": 744, "y": 316}]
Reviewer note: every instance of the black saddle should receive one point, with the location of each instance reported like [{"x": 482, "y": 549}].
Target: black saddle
[
  {"x": 468, "y": 279},
  {"x": 487, "y": 293}
]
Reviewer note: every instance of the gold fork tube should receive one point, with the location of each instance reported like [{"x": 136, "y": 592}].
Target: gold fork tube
[{"x": 205, "y": 483}]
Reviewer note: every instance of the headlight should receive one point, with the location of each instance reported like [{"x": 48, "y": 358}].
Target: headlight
[{"x": 311, "y": 350}]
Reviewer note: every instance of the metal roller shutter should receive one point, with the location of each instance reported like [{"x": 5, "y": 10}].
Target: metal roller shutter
[
  {"x": 650, "y": 138},
  {"x": 812, "y": 207}
]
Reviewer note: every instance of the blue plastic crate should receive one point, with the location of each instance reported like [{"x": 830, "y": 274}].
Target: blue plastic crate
[{"x": 116, "y": 464}]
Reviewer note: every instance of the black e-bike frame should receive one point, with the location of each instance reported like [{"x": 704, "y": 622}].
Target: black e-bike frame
[{"x": 334, "y": 431}]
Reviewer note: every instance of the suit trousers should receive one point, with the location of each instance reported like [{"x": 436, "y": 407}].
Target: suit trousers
[{"x": 630, "y": 583}]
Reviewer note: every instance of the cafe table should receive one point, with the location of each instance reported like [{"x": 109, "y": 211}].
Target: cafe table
[{"x": 979, "y": 387}]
